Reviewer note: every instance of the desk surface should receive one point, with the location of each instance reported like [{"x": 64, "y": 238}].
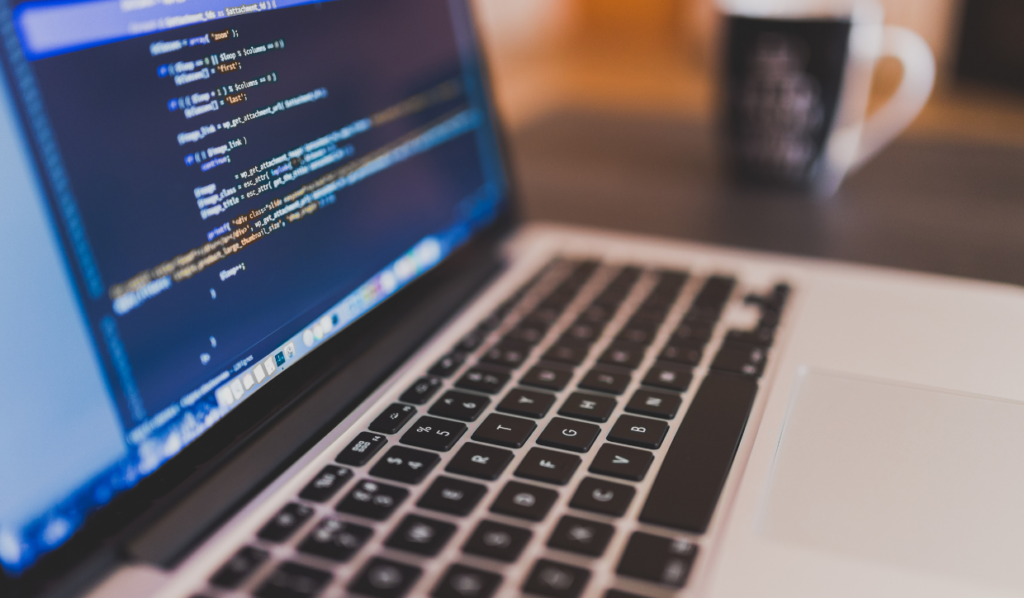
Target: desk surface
[{"x": 938, "y": 206}]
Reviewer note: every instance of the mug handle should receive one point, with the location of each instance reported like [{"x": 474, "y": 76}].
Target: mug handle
[{"x": 910, "y": 97}]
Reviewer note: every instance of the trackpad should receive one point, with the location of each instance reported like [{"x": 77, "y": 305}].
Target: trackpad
[{"x": 919, "y": 478}]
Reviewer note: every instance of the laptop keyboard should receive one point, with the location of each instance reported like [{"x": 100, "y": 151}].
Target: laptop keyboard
[{"x": 523, "y": 448}]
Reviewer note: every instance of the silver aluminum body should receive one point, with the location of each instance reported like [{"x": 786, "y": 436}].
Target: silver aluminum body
[{"x": 877, "y": 323}]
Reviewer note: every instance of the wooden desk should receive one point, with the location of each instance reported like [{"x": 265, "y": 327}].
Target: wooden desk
[{"x": 621, "y": 137}]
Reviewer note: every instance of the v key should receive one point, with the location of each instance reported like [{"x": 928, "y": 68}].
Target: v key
[{"x": 621, "y": 462}]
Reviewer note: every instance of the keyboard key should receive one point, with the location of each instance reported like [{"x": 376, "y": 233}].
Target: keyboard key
[
  {"x": 524, "y": 501},
  {"x": 480, "y": 461},
  {"x": 606, "y": 380},
  {"x": 449, "y": 495},
  {"x": 497, "y": 541},
  {"x": 673, "y": 279},
  {"x": 421, "y": 391},
  {"x": 548, "y": 466},
  {"x": 448, "y": 365},
  {"x": 559, "y": 299},
  {"x": 621, "y": 462},
  {"x": 239, "y": 568},
  {"x": 291, "y": 580},
  {"x": 529, "y": 332},
  {"x": 392, "y": 419},
  {"x": 404, "y": 465},
  {"x": 543, "y": 315},
  {"x": 581, "y": 536},
  {"x": 583, "y": 332},
  {"x": 465, "y": 582},
  {"x": 650, "y": 314},
  {"x": 588, "y": 406},
  {"x": 569, "y": 435},
  {"x": 508, "y": 353},
  {"x": 462, "y": 406},
  {"x": 669, "y": 376},
  {"x": 638, "y": 431},
  {"x": 621, "y": 594},
  {"x": 549, "y": 376},
  {"x": 657, "y": 559},
  {"x": 528, "y": 403},
  {"x": 697, "y": 463},
  {"x": 335, "y": 540},
  {"x": 504, "y": 430},
  {"x": 567, "y": 351},
  {"x": 597, "y": 314},
  {"x": 681, "y": 353},
  {"x": 485, "y": 379},
  {"x": 647, "y": 318},
  {"x": 740, "y": 358},
  {"x": 472, "y": 340},
  {"x": 761, "y": 336},
  {"x": 715, "y": 292},
  {"x": 284, "y": 524},
  {"x": 654, "y": 403},
  {"x": 599, "y": 496},
  {"x": 372, "y": 500},
  {"x": 699, "y": 330},
  {"x": 362, "y": 448},
  {"x": 610, "y": 298},
  {"x": 625, "y": 355},
  {"x": 434, "y": 433},
  {"x": 556, "y": 580},
  {"x": 383, "y": 578},
  {"x": 326, "y": 483},
  {"x": 636, "y": 335},
  {"x": 420, "y": 535}
]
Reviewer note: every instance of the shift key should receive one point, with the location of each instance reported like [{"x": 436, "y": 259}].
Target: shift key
[{"x": 697, "y": 464}]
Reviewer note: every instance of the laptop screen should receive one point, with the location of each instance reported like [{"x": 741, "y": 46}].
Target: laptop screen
[{"x": 197, "y": 193}]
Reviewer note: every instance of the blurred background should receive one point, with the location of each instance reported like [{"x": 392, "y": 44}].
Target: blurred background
[{"x": 606, "y": 100}]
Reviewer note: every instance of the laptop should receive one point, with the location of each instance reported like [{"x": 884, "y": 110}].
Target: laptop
[{"x": 271, "y": 328}]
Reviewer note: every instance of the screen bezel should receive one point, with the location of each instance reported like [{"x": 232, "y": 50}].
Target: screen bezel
[{"x": 99, "y": 545}]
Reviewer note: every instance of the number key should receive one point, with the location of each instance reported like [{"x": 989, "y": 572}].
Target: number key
[
  {"x": 421, "y": 391},
  {"x": 392, "y": 419},
  {"x": 483, "y": 379},
  {"x": 434, "y": 433},
  {"x": 326, "y": 483},
  {"x": 404, "y": 465},
  {"x": 462, "y": 406}
]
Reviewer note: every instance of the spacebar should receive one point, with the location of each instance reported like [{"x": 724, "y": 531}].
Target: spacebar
[{"x": 693, "y": 473}]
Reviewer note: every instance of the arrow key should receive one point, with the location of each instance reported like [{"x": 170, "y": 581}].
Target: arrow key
[
  {"x": 548, "y": 466},
  {"x": 599, "y": 496},
  {"x": 621, "y": 462},
  {"x": 581, "y": 536}
]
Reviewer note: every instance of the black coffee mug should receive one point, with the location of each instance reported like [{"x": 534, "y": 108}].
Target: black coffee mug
[{"x": 796, "y": 85}]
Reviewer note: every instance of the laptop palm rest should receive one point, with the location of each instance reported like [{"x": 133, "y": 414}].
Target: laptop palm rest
[{"x": 902, "y": 475}]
